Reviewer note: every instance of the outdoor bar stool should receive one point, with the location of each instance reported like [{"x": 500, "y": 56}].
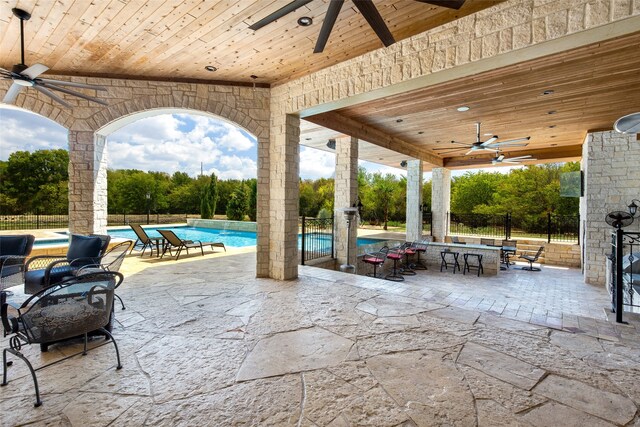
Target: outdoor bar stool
[
  {"x": 408, "y": 270},
  {"x": 376, "y": 259},
  {"x": 396, "y": 255},
  {"x": 454, "y": 261},
  {"x": 419, "y": 247},
  {"x": 468, "y": 267}
]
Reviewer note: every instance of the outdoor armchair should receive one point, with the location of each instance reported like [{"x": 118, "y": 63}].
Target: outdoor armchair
[
  {"x": 111, "y": 261},
  {"x": 532, "y": 259},
  {"x": 14, "y": 251},
  {"x": 72, "y": 308},
  {"x": 172, "y": 241},
  {"x": 45, "y": 270},
  {"x": 376, "y": 259}
]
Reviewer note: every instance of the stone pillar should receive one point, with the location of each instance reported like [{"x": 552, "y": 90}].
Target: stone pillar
[
  {"x": 440, "y": 202},
  {"x": 87, "y": 182},
  {"x": 346, "y": 195},
  {"x": 263, "y": 217},
  {"x": 284, "y": 165},
  {"x": 414, "y": 200},
  {"x": 612, "y": 179}
]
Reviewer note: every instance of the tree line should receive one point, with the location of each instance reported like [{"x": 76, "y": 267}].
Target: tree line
[{"x": 39, "y": 181}]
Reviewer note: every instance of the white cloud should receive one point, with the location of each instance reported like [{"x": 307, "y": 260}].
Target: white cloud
[
  {"x": 25, "y": 131},
  {"x": 316, "y": 163}
]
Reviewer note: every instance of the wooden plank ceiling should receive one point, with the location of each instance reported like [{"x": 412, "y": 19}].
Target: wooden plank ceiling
[
  {"x": 176, "y": 39},
  {"x": 592, "y": 87}
]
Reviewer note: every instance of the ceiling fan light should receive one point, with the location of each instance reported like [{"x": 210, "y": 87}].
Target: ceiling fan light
[
  {"x": 25, "y": 83},
  {"x": 463, "y": 108}
]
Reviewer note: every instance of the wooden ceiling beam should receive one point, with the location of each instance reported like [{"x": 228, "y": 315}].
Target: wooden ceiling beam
[
  {"x": 544, "y": 155},
  {"x": 375, "y": 136}
]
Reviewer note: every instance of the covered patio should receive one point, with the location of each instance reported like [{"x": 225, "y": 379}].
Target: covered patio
[{"x": 335, "y": 349}]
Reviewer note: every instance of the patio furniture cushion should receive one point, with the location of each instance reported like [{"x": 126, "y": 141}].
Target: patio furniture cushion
[
  {"x": 16, "y": 245},
  {"x": 34, "y": 279},
  {"x": 84, "y": 249}
]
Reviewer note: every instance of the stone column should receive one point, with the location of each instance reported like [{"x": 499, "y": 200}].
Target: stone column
[
  {"x": 612, "y": 180},
  {"x": 346, "y": 195},
  {"x": 284, "y": 165},
  {"x": 87, "y": 182},
  {"x": 440, "y": 202},
  {"x": 414, "y": 200},
  {"x": 263, "y": 217}
]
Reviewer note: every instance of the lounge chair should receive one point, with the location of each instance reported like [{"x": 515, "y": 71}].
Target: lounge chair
[
  {"x": 145, "y": 240},
  {"x": 14, "y": 251},
  {"x": 174, "y": 242},
  {"x": 44, "y": 271}
]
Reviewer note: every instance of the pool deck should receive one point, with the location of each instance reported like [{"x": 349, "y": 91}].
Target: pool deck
[{"x": 204, "y": 342}]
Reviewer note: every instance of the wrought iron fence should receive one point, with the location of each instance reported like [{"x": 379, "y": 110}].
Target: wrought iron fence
[
  {"x": 624, "y": 282},
  {"x": 37, "y": 220},
  {"x": 553, "y": 228},
  {"x": 316, "y": 239},
  {"x": 34, "y": 220}
]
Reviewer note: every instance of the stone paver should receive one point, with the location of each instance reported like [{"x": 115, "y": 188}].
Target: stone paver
[{"x": 203, "y": 342}]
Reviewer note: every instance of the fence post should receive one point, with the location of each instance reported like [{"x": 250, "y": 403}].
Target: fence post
[
  {"x": 332, "y": 237},
  {"x": 303, "y": 233},
  {"x": 37, "y": 219},
  {"x": 618, "y": 290},
  {"x": 548, "y": 227}
]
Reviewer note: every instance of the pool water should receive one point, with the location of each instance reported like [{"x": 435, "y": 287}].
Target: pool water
[{"x": 230, "y": 238}]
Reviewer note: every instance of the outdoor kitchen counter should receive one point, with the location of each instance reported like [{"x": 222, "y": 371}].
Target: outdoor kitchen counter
[{"x": 490, "y": 255}]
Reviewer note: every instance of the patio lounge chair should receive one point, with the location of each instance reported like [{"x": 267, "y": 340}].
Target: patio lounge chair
[
  {"x": 14, "y": 251},
  {"x": 145, "y": 240},
  {"x": 73, "y": 308},
  {"x": 44, "y": 271},
  {"x": 532, "y": 259},
  {"x": 174, "y": 242}
]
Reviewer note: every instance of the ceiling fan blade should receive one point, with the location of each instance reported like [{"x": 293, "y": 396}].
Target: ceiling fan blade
[
  {"x": 371, "y": 14},
  {"x": 35, "y": 70},
  {"x": 500, "y": 158},
  {"x": 327, "y": 24},
  {"x": 451, "y": 4},
  {"x": 511, "y": 162},
  {"x": 285, "y": 10},
  {"x": 52, "y": 95},
  {"x": 12, "y": 93},
  {"x": 519, "y": 158},
  {"x": 490, "y": 140},
  {"x": 506, "y": 144},
  {"x": 5, "y": 73},
  {"x": 469, "y": 152},
  {"x": 74, "y": 93},
  {"x": 72, "y": 84},
  {"x": 515, "y": 140}
]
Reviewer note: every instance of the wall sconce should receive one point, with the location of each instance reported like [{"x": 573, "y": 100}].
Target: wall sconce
[
  {"x": 358, "y": 204},
  {"x": 423, "y": 207},
  {"x": 633, "y": 208},
  {"x": 332, "y": 144},
  {"x": 403, "y": 163}
]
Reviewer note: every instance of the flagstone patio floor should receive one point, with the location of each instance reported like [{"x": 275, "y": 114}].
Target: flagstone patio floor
[{"x": 205, "y": 343}]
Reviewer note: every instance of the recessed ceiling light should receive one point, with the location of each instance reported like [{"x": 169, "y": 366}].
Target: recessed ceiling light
[
  {"x": 463, "y": 108},
  {"x": 399, "y": 121},
  {"x": 552, "y": 126},
  {"x": 553, "y": 136},
  {"x": 305, "y": 21},
  {"x": 551, "y": 112},
  {"x": 420, "y": 132},
  {"x": 210, "y": 68},
  {"x": 308, "y": 139},
  {"x": 547, "y": 92},
  {"x": 554, "y": 145}
]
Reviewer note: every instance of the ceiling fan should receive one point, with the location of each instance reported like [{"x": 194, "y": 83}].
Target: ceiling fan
[
  {"x": 511, "y": 160},
  {"x": 366, "y": 8},
  {"x": 490, "y": 144},
  {"x": 25, "y": 76}
]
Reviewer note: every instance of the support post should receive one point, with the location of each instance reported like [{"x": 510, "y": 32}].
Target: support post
[{"x": 414, "y": 200}]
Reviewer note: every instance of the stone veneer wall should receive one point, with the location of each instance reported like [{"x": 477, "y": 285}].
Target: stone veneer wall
[
  {"x": 414, "y": 200},
  {"x": 611, "y": 165},
  {"x": 440, "y": 203},
  {"x": 345, "y": 195}
]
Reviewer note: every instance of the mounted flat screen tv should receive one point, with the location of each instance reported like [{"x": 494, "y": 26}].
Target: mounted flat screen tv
[{"x": 571, "y": 184}]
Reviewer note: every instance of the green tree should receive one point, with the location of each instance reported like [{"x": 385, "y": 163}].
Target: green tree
[
  {"x": 253, "y": 199},
  {"x": 205, "y": 204},
  {"x": 237, "y": 205},
  {"x": 474, "y": 189}
]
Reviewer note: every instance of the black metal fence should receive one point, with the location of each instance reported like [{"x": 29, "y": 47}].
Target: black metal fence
[
  {"x": 37, "y": 220},
  {"x": 624, "y": 281},
  {"x": 316, "y": 239},
  {"x": 553, "y": 228}
]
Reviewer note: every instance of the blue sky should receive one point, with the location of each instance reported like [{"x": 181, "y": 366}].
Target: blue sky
[{"x": 167, "y": 143}]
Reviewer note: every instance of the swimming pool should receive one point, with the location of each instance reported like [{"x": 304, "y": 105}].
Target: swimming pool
[{"x": 230, "y": 238}]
